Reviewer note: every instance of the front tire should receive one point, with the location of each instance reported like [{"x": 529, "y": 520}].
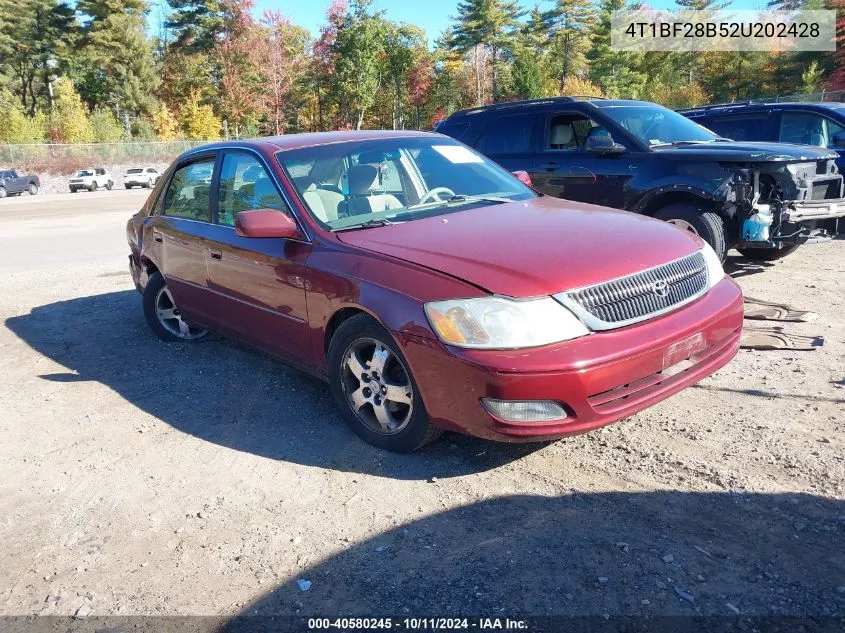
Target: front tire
[
  {"x": 163, "y": 316},
  {"x": 767, "y": 254},
  {"x": 373, "y": 387},
  {"x": 93, "y": 187},
  {"x": 696, "y": 219}
]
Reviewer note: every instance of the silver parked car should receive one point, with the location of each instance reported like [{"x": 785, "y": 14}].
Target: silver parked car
[{"x": 141, "y": 177}]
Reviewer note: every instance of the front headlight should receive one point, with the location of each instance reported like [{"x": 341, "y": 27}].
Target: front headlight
[
  {"x": 715, "y": 272},
  {"x": 499, "y": 323}
]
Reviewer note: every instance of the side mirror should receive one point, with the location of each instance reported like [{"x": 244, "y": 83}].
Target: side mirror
[
  {"x": 265, "y": 223},
  {"x": 838, "y": 141},
  {"x": 599, "y": 141},
  {"x": 523, "y": 177}
]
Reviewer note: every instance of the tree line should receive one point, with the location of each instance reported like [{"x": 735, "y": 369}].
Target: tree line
[{"x": 98, "y": 70}]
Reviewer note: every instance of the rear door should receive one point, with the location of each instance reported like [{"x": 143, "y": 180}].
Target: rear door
[
  {"x": 174, "y": 237},
  {"x": 257, "y": 284},
  {"x": 564, "y": 169}
]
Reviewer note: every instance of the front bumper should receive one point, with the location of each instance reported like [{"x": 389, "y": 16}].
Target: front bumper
[
  {"x": 599, "y": 379},
  {"x": 810, "y": 210}
]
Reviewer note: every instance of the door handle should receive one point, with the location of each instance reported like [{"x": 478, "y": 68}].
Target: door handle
[
  {"x": 213, "y": 253},
  {"x": 551, "y": 166},
  {"x": 157, "y": 237}
]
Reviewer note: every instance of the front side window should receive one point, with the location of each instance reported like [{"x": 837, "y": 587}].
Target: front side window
[
  {"x": 568, "y": 132},
  {"x": 747, "y": 127},
  {"x": 656, "y": 125},
  {"x": 189, "y": 193},
  {"x": 507, "y": 135},
  {"x": 396, "y": 180},
  {"x": 245, "y": 185},
  {"x": 809, "y": 128}
]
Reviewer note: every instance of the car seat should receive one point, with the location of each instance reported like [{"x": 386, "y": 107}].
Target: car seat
[
  {"x": 363, "y": 182},
  {"x": 561, "y": 136}
]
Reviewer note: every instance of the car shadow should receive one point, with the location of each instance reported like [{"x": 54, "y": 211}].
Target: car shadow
[
  {"x": 228, "y": 394},
  {"x": 738, "y": 266},
  {"x": 659, "y": 553}
]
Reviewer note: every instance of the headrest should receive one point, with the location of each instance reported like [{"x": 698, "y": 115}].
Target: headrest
[
  {"x": 362, "y": 179},
  {"x": 561, "y": 134}
]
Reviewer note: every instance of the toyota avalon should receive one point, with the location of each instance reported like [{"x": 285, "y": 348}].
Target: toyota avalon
[{"x": 431, "y": 288}]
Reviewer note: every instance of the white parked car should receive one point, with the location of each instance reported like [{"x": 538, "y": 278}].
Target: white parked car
[
  {"x": 141, "y": 177},
  {"x": 91, "y": 179}
]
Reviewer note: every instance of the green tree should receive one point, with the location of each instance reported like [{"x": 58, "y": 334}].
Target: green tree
[
  {"x": 359, "y": 47},
  {"x": 35, "y": 36},
  {"x": 69, "y": 121},
  {"x": 16, "y": 126},
  {"x": 491, "y": 24},
  {"x": 114, "y": 40},
  {"x": 198, "y": 121},
  {"x": 404, "y": 44},
  {"x": 528, "y": 77},
  {"x": 615, "y": 72},
  {"x": 569, "y": 24},
  {"x": 196, "y": 24},
  {"x": 164, "y": 123},
  {"x": 105, "y": 127}
]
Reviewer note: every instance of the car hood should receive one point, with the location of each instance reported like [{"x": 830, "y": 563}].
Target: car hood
[
  {"x": 531, "y": 248},
  {"x": 748, "y": 152}
]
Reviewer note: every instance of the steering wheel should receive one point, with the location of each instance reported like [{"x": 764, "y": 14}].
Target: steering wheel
[{"x": 437, "y": 194}]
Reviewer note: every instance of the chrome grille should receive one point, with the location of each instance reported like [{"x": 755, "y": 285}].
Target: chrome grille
[{"x": 640, "y": 296}]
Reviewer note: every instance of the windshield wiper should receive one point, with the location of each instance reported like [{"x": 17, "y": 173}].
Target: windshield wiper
[
  {"x": 461, "y": 197},
  {"x": 366, "y": 225}
]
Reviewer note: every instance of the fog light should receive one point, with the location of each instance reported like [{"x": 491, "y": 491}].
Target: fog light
[{"x": 524, "y": 410}]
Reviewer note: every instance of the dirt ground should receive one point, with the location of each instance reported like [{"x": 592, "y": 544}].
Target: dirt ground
[{"x": 138, "y": 477}]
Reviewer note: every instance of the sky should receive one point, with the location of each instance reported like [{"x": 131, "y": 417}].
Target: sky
[{"x": 431, "y": 15}]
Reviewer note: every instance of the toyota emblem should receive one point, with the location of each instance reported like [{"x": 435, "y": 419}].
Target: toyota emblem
[{"x": 660, "y": 288}]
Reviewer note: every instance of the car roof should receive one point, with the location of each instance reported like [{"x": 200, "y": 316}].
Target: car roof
[
  {"x": 312, "y": 139},
  {"x": 547, "y": 102},
  {"x": 727, "y": 108}
]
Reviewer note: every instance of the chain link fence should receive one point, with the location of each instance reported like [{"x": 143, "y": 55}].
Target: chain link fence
[{"x": 58, "y": 158}]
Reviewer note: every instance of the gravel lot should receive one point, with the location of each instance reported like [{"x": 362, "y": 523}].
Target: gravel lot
[{"x": 138, "y": 477}]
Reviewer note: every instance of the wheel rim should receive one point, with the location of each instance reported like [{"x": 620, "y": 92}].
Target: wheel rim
[
  {"x": 377, "y": 386},
  {"x": 171, "y": 319},
  {"x": 683, "y": 225},
  {"x": 33, "y": 189}
]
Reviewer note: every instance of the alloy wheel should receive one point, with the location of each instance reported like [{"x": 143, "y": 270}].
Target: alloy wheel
[
  {"x": 377, "y": 385},
  {"x": 683, "y": 225},
  {"x": 171, "y": 319}
]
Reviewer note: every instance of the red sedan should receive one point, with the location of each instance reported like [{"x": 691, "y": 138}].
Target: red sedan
[{"x": 430, "y": 287}]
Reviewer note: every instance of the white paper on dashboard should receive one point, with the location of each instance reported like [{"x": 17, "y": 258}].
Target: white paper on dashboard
[{"x": 457, "y": 154}]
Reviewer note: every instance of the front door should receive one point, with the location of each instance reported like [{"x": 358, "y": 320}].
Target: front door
[
  {"x": 257, "y": 284},
  {"x": 564, "y": 169}
]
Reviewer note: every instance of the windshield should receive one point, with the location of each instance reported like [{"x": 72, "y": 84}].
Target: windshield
[
  {"x": 656, "y": 125},
  {"x": 85, "y": 172},
  {"x": 349, "y": 185}
]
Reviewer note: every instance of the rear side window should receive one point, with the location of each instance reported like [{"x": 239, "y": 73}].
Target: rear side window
[
  {"x": 455, "y": 129},
  {"x": 189, "y": 193},
  {"x": 507, "y": 135},
  {"x": 750, "y": 127},
  {"x": 245, "y": 185}
]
